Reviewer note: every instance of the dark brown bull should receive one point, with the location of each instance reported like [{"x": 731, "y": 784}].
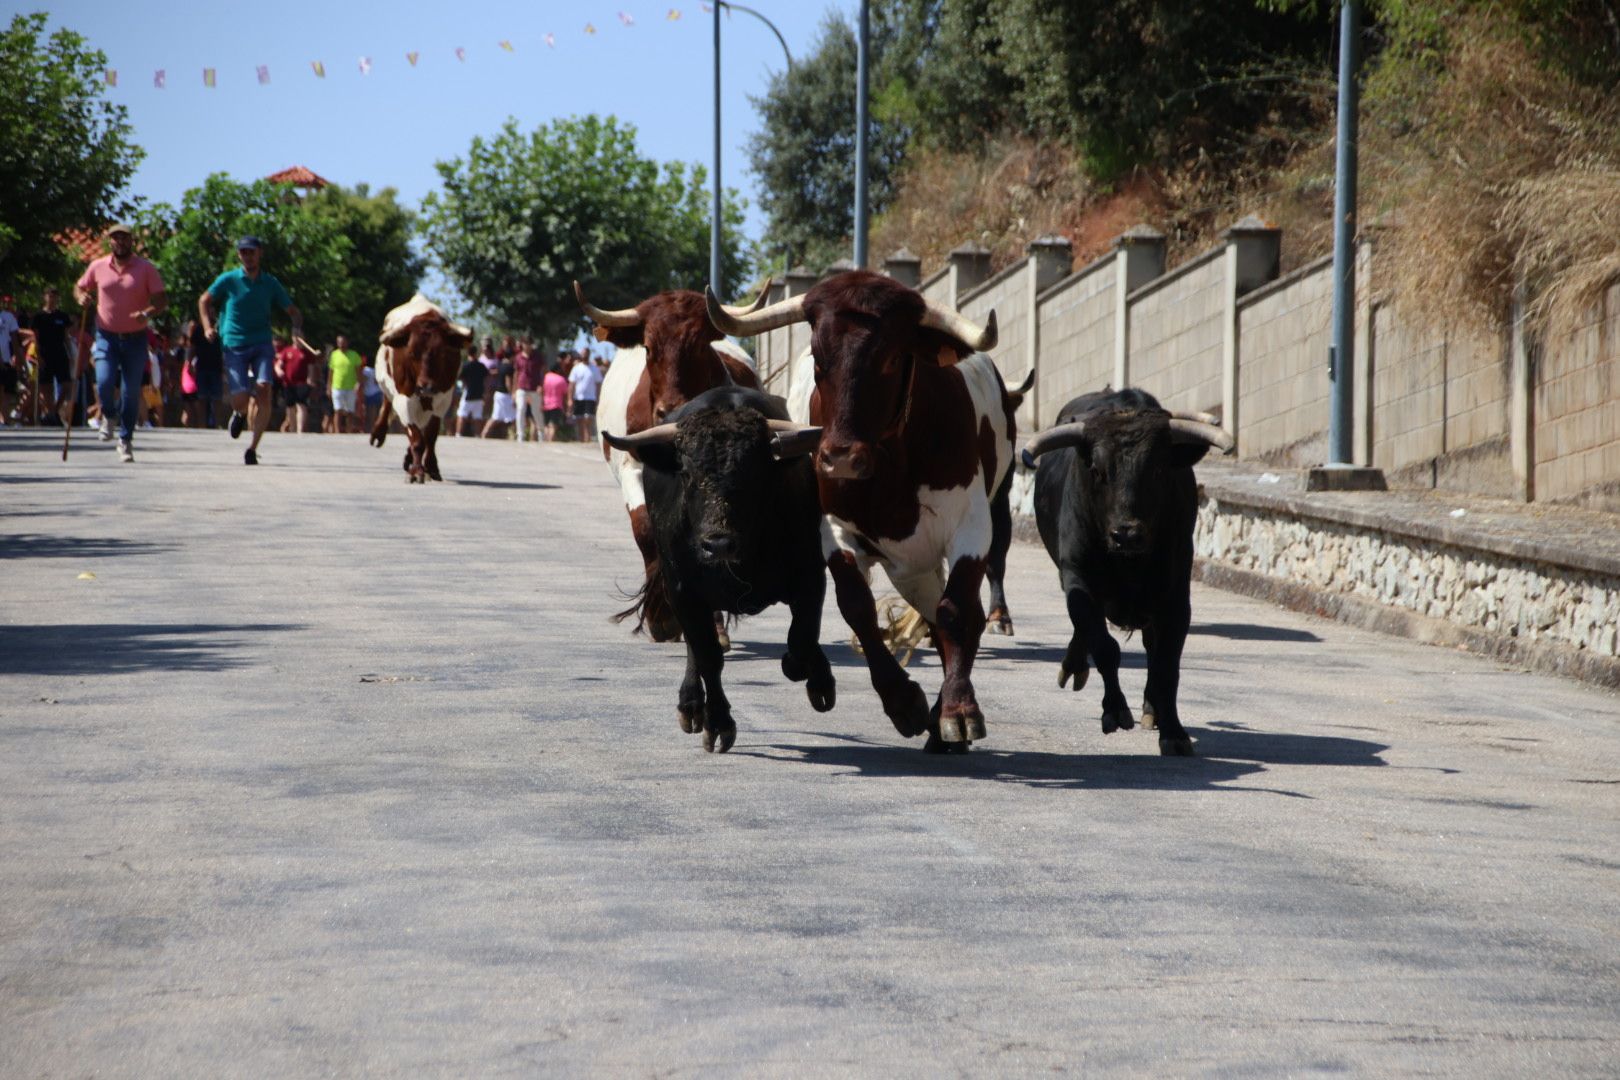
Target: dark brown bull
[{"x": 417, "y": 361}]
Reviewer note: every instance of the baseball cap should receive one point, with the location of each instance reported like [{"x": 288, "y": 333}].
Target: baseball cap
[
  {"x": 119, "y": 227},
  {"x": 249, "y": 243}
]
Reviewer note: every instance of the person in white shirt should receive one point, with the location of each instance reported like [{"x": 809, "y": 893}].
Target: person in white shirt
[{"x": 585, "y": 380}]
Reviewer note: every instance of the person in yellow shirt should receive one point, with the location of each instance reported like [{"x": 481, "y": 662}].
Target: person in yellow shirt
[{"x": 345, "y": 365}]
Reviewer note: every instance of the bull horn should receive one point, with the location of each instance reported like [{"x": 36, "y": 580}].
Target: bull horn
[
  {"x": 604, "y": 317},
  {"x": 1071, "y": 434},
  {"x": 653, "y": 436},
  {"x": 793, "y": 439},
  {"x": 1025, "y": 386},
  {"x": 1192, "y": 414},
  {"x": 1185, "y": 431},
  {"x": 754, "y": 323},
  {"x": 969, "y": 333},
  {"x": 738, "y": 310}
]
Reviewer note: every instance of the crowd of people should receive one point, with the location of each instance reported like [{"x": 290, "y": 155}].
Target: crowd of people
[{"x": 225, "y": 368}]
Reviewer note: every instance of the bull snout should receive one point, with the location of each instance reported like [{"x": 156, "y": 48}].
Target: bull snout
[
  {"x": 718, "y": 547},
  {"x": 1127, "y": 537},
  {"x": 852, "y": 462}
]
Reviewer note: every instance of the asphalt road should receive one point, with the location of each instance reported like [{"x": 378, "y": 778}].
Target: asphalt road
[{"x": 322, "y": 774}]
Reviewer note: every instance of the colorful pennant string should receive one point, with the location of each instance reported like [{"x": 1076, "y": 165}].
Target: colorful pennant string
[
  {"x": 365, "y": 65},
  {"x": 112, "y": 76},
  {"x": 461, "y": 54},
  {"x": 318, "y": 68},
  {"x": 413, "y": 57},
  {"x": 625, "y": 19},
  {"x": 160, "y": 79},
  {"x": 263, "y": 72},
  {"x": 208, "y": 78},
  {"x": 507, "y": 45}
]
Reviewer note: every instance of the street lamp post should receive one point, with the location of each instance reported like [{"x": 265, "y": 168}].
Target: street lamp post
[
  {"x": 861, "y": 71},
  {"x": 714, "y": 216}
]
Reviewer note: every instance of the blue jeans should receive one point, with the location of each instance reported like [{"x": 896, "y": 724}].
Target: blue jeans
[
  {"x": 248, "y": 365},
  {"x": 120, "y": 359}
]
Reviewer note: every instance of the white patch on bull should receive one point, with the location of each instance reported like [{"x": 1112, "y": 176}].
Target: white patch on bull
[{"x": 410, "y": 410}]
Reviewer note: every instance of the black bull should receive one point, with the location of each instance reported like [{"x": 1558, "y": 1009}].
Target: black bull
[
  {"x": 1116, "y": 502},
  {"x": 735, "y": 517}
]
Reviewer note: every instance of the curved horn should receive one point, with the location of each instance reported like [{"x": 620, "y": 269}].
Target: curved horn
[
  {"x": 738, "y": 310},
  {"x": 1200, "y": 417},
  {"x": 1071, "y": 434},
  {"x": 653, "y": 436},
  {"x": 1197, "y": 431},
  {"x": 778, "y": 314},
  {"x": 604, "y": 317},
  {"x": 969, "y": 333},
  {"x": 798, "y": 440},
  {"x": 1025, "y": 386}
]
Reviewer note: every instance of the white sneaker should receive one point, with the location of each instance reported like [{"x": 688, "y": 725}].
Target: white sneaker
[
  {"x": 126, "y": 452},
  {"x": 106, "y": 430}
]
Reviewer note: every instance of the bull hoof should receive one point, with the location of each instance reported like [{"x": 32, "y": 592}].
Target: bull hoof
[
  {"x": 822, "y": 697},
  {"x": 1177, "y": 746},
  {"x": 999, "y": 621},
  {"x": 433, "y": 472},
  {"x": 1117, "y": 719},
  {"x": 1149, "y": 721},
  {"x": 723, "y": 638},
  {"x": 937, "y": 745},
  {"x": 691, "y": 719},
  {"x": 793, "y": 668},
  {"x": 909, "y": 715},
  {"x": 377, "y": 440},
  {"x": 1079, "y": 674},
  {"x": 719, "y": 739}
]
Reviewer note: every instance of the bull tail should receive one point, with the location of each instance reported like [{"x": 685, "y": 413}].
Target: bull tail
[{"x": 654, "y": 614}]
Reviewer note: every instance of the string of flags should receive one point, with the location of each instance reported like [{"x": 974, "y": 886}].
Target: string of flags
[{"x": 210, "y": 76}]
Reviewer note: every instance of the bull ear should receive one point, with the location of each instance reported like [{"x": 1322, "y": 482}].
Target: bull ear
[
  {"x": 398, "y": 338},
  {"x": 625, "y": 337},
  {"x": 1187, "y": 454}
]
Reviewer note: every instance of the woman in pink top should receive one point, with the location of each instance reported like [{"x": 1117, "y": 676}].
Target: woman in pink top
[{"x": 553, "y": 399}]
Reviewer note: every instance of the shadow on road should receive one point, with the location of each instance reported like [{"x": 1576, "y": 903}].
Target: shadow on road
[
  {"x": 1252, "y": 632},
  {"x": 1235, "y": 742},
  {"x": 1002, "y": 649},
  {"x": 503, "y": 485},
  {"x": 78, "y": 649},
  {"x": 47, "y": 546},
  {"x": 15, "y": 479}
]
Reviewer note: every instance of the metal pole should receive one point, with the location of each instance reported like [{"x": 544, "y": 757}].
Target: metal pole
[
  {"x": 782, "y": 41},
  {"x": 860, "y": 135},
  {"x": 1341, "y": 358},
  {"x": 714, "y": 220}
]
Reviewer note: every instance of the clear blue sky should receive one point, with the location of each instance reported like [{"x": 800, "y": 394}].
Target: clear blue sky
[{"x": 389, "y": 127}]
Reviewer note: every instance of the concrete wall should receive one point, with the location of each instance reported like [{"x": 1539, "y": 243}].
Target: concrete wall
[
  {"x": 1284, "y": 330},
  {"x": 1006, "y": 294},
  {"x": 1577, "y": 410},
  {"x": 1176, "y": 330},
  {"x": 1077, "y": 337}
]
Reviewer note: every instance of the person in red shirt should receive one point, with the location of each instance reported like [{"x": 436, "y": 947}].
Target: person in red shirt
[{"x": 293, "y": 369}]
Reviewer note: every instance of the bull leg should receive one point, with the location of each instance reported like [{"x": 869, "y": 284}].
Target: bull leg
[
  {"x": 904, "y": 702},
  {"x": 413, "y": 463},
  {"x": 704, "y": 659},
  {"x": 657, "y": 614},
  {"x": 1164, "y": 640},
  {"x": 1091, "y": 636},
  {"x": 959, "y": 625},
  {"x": 430, "y": 456},
  {"x": 999, "y": 621},
  {"x": 804, "y": 661},
  {"x": 379, "y": 430}
]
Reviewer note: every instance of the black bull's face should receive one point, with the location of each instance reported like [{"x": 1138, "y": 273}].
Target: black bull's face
[
  {"x": 1127, "y": 471},
  {"x": 725, "y": 473}
]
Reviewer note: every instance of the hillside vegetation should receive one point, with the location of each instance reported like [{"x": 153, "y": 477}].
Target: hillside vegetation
[{"x": 1490, "y": 135}]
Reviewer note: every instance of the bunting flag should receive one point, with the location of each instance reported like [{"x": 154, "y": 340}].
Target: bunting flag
[
  {"x": 112, "y": 76},
  {"x": 160, "y": 79},
  {"x": 551, "y": 40},
  {"x": 413, "y": 57},
  {"x": 674, "y": 15},
  {"x": 365, "y": 65},
  {"x": 507, "y": 45},
  {"x": 263, "y": 72},
  {"x": 707, "y": 10},
  {"x": 625, "y": 19},
  {"x": 208, "y": 78},
  {"x": 589, "y": 29},
  {"x": 318, "y": 68},
  {"x": 461, "y": 54}
]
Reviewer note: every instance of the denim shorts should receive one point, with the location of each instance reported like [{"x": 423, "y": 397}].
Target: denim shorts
[{"x": 250, "y": 364}]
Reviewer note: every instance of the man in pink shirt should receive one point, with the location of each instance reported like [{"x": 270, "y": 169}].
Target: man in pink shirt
[
  {"x": 128, "y": 291},
  {"x": 553, "y": 400}
]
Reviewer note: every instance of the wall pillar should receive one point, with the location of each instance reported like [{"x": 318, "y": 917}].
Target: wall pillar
[
  {"x": 1366, "y": 354},
  {"x": 1253, "y": 257},
  {"x": 1138, "y": 259},
  {"x": 1522, "y": 399},
  {"x": 970, "y": 268},
  {"x": 799, "y": 281},
  {"x": 1051, "y": 258},
  {"x": 904, "y": 267}
]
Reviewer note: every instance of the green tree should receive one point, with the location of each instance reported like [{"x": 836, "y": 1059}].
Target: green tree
[
  {"x": 310, "y": 253},
  {"x": 524, "y": 214},
  {"x": 65, "y": 153},
  {"x": 804, "y": 153},
  {"x": 383, "y": 270}
]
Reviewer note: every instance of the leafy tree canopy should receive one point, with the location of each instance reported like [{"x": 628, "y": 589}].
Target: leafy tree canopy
[
  {"x": 382, "y": 268},
  {"x": 65, "y": 153},
  {"x": 526, "y": 213}
]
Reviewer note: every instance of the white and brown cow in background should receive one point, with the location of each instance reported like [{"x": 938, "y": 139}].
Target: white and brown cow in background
[
  {"x": 418, "y": 358},
  {"x": 669, "y": 353},
  {"x": 917, "y": 435}
]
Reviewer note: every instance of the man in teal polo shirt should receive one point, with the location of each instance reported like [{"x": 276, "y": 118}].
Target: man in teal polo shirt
[{"x": 245, "y": 297}]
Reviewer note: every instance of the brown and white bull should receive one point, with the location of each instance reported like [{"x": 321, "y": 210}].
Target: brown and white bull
[
  {"x": 917, "y": 436},
  {"x": 669, "y": 353},
  {"x": 417, "y": 360}
]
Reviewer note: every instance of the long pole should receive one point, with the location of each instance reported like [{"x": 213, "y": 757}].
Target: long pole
[
  {"x": 860, "y": 135},
  {"x": 714, "y": 218},
  {"x": 1341, "y": 363}
]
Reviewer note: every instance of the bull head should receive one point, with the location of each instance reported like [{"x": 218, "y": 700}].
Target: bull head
[
  {"x": 426, "y": 353},
  {"x": 869, "y": 336},
  {"x": 1122, "y": 463}
]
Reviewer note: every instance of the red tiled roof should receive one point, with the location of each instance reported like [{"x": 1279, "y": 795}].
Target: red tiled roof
[
  {"x": 82, "y": 244},
  {"x": 298, "y": 176}
]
